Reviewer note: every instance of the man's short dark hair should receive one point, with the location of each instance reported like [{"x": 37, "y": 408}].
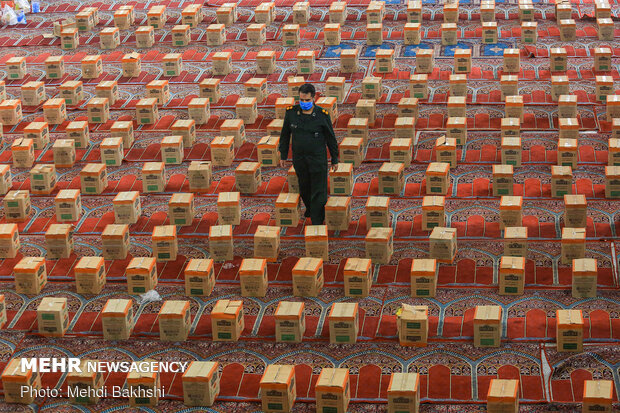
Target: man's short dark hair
[{"x": 307, "y": 88}]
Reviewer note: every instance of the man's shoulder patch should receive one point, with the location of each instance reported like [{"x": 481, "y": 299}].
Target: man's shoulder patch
[
  {"x": 325, "y": 112},
  {"x": 289, "y": 108}
]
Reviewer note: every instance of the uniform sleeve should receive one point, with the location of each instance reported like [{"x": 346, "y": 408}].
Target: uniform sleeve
[
  {"x": 330, "y": 139},
  {"x": 285, "y": 136}
]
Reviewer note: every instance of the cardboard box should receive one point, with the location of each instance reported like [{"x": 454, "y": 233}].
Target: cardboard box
[
  {"x": 391, "y": 178},
  {"x": 33, "y": 93},
  {"x": 109, "y": 38},
  {"x": 267, "y": 242},
  {"x": 228, "y": 208},
  {"x": 585, "y": 278},
  {"x": 54, "y": 67},
  {"x": 256, "y": 34},
  {"x": 384, "y": 60},
  {"x": 145, "y": 380},
  {"x": 445, "y": 150},
  {"x": 568, "y": 30},
  {"x": 569, "y": 331},
  {"x": 278, "y": 388},
  {"x": 236, "y": 128},
  {"x": 408, "y": 107},
  {"x": 226, "y": 15},
  {"x": 11, "y": 111},
  {"x": 127, "y": 207},
  {"x": 281, "y": 105},
  {"x": 288, "y": 210},
  {"x": 443, "y": 244},
  {"x": 173, "y": 64},
  {"x": 222, "y": 63},
  {"x": 117, "y": 319},
  {"x": 338, "y": 213},
  {"x": 414, "y": 11},
  {"x": 93, "y": 178},
  {"x": 90, "y": 275},
  {"x": 343, "y": 322},
  {"x": 308, "y": 277},
  {"x": 315, "y": 237},
  {"x": 221, "y": 246},
  {"x": 6, "y": 180},
  {"x": 274, "y": 128},
  {"x": 200, "y": 176},
  {"x": 511, "y": 127},
  {"x": 201, "y": 383},
  {"x": 512, "y": 63},
  {"x": 59, "y": 241},
  {"x": 437, "y": 178},
  {"x": 98, "y": 110},
  {"x": 509, "y": 85},
  {"x": 358, "y": 276},
  {"x": 267, "y": 149},
  {"x": 39, "y": 133},
  {"x": 371, "y": 87},
  {"x": 604, "y": 87},
  {"x": 358, "y": 128},
  {"x": 561, "y": 181},
  {"x": 253, "y": 277},
  {"x": 456, "y": 128},
  {"x": 349, "y": 60},
  {"x": 567, "y": 106},
  {"x": 332, "y": 390},
  {"x": 132, "y": 62},
  {"x": 290, "y": 35},
  {"x": 418, "y": 84},
  {"x": 181, "y": 209},
  {"x": 331, "y": 34},
  {"x": 341, "y": 180},
  {"x": 141, "y": 275},
  {"x": 265, "y": 13},
  {"x": 377, "y": 212},
  {"x": 192, "y": 14},
  {"x": 451, "y": 12},
  {"x": 199, "y": 110},
  {"x": 265, "y": 62},
  {"x": 411, "y": 33},
  {"x": 366, "y": 108},
  {"x": 503, "y": 180},
  {"x": 199, "y": 277},
  {"x": 503, "y": 396},
  {"x": 181, "y": 35},
  {"x": 9, "y": 240},
  {"x": 30, "y": 274},
  {"x": 115, "y": 241},
  {"x": 248, "y": 177},
  {"x": 613, "y": 107},
  {"x": 559, "y": 59},
  {"x": 424, "y": 273},
  {"x": 246, "y": 109},
  {"x": 563, "y": 10},
  {"x": 175, "y": 320},
  {"x": 78, "y": 132},
  {"x": 374, "y": 34},
  {"x": 605, "y": 29},
  {"x": 457, "y": 107},
  {"x": 602, "y": 9},
  {"x": 165, "y": 244},
  {"x": 351, "y": 151},
  {"x": 17, "y": 206},
  {"x": 433, "y": 212},
  {"x": 487, "y": 11},
  {"x": 157, "y": 16},
  {"x": 146, "y": 111},
  {"x": 510, "y": 211},
  {"x": 575, "y": 211},
  {"x": 511, "y": 275},
  {"x": 92, "y": 67},
  {"x": 61, "y": 25},
  {"x": 122, "y": 19},
  {"x": 404, "y": 393},
  {"x": 401, "y": 147},
  {"x": 53, "y": 317},
  {"x": 216, "y": 35},
  {"x": 514, "y": 107},
  {"x": 573, "y": 244},
  {"x": 227, "y": 320},
  {"x": 292, "y": 181},
  {"x": 598, "y": 396},
  {"x": 305, "y": 61},
  {"x": 529, "y": 32},
  {"x": 186, "y": 128},
  {"x": 290, "y": 322},
  {"x": 86, "y": 385},
  {"x": 171, "y": 149},
  {"x": 158, "y": 89},
  {"x": 15, "y": 380},
  {"x": 462, "y": 60},
  {"x": 515, "y": 241},
  {"x": 615, "y": 128},
  {"x": 108, "y": 89},
  {"x": 42, "y": 179},
  {"x": 458, "y": 84},
  {"x": 448, "y": 34},
  {"x": 379, "y": 245},
  {"x": 338, "y": 12},
  {"x": 412, "y": 325},
  {"x": 16, "y": 67},
  {"x": 487, "y": 326},
  {"x": 602, "y": 59},
  {"x": 559, "y": 86},
  {"x": 511, "y": 151},
  {"x": 54, "y": 111}
]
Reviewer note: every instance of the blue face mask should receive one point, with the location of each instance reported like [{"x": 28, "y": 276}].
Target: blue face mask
[{"x": 305, "y": 105}]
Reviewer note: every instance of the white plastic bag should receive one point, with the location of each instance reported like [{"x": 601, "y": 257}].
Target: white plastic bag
[
  {"x": 8, "y": 16},
  {"x": 149, "y": 297},
  {"x": 23, "y": 5}
]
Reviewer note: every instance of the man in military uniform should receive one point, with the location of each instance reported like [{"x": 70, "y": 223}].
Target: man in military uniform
[{"x": 312, "y": 133}]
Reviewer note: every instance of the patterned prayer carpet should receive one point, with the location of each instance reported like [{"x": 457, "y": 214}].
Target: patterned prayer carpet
[{"x": 454, "y": 375}]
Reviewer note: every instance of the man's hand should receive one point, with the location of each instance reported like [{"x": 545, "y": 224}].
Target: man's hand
[{"x": 283, "y": 164}]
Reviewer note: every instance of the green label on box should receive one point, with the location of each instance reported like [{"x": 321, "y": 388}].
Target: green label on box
[
  {"x": 418, "y": 95},
  {"x": 342, "y": 339},
  {"x": 432, "y": 224},
  {"x": 14, "y": 75},
  {"x": 462, "y": 68},
  {"x": 139, "y": 289},
  {"x": 52, "y": 75},
  {"x": 180, "y": 221},
  {"x": 413, "y": 325},
  {"x": 152, "y": 187},
  {"x": 388, "y": 190},
  {"x": 339, "y": 190},
  {"x": 224, "y": 335},
  {"x": 196, "y": 291},
  {"x": 487, "y": 342},
  {"x": 145, "y": 120},
  {"x": 502, "y": 191},
  {"x": 567, "y": 164},
  {"x": 305, "y": 70},
  {"x": 180, "y": 43},
  {"x": 163, "y": 255},
  {"x": 290, "y": 42},
  {"x": 66, "y": 216},
  {"x": 330, "y": 410},
  {"x": 171, "y": 160},
  {"x": 435, "y": 189},
  {"x": 142, "y": 400},
  {"x": 96, "y": 119},
  {"x": 46, "y": 316},
  {"x": 69, "y": 101},
  {"x": 514, "y": 163},
  {"x": 512, "y": 290},
  {"x": 489, "y": 40},
  {"x": 615, "y": 193},
  {"x": 286, "y": 222},
  {"x": 423, "y": 292},
  {"x": 603, "y": 67},
  {"x": 110, "y": 162},
  {"x": 559, "y": 67},
  {"x": 82, "y": 399},
  {"x": 603, "y": 98},
  {"x": 68, "y": 45},
  {"x": 274, "y": 406},
  {"x": 37, "y": 177},
  {"x": 267, "y": 161},
  {"x": 355, "y": 291},
  {"x": 561, "y": 193},
  {"x": 383, "y": 69},
  {"x": 376, "y": 225},
  {"x": 90, "y": 189},
  {"x": 82, "y": 28},
  {"x": 170, "y": 72},
  {"x": 570, "y": 346},
  {"x": 287, "y": 337}
]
